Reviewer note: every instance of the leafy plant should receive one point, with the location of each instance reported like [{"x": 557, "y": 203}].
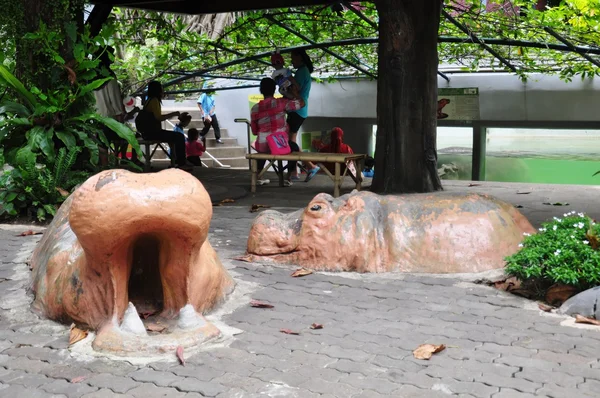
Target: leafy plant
[
  {"x": 36, "y": 188},
  {"x": 565, "y": 251}
]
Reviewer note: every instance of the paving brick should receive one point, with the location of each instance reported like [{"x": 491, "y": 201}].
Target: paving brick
[
  {"x": 207, "y": 389},
  {"x": 464, "y": 387},
  {"x": 68, "y": 389},
  {"x": 24, "y": 379},
  {"x": 293, "y": 379},
  {"x": 342, "y": 353},
  {"x": 554, "y": 391},
  {"x": 117, "y": 368},
  {"x": 67, "y": 372},
  {"x": 588, "y": 387},
  {"x": 564, "y": 358},
  {"x": 321, "y": 386},
  {"x": 418, "y": 380},
  {"x": 115, "y": 383},
  {"x": 27, "y": 365},
  {"x": 454, "y": 372},
  {"x": 410, "y": 391},
  {"x": 361, "y": 382},
  {"x": 17, "y": 391},
  {"x": 510, "y": 393},
  {"x": 578, "y": 370},
  {"x": 510, "y": 382},
  {"x": 151, "y": 391},
  {"x": 105, "y": 393},
  {"x": 545, "y": 377},
  {"x": 203, "y": 373},
  {"x": 40, "y": 353},
  {"x": 522, "y": 362},
  {"x": 147, "y": 375},
  {"x": 508, "y": 350}
]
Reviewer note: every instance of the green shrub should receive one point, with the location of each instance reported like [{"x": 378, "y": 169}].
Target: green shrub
[
  {"x": 564, "y": 251},
  {"x": 39, "y": 189}
]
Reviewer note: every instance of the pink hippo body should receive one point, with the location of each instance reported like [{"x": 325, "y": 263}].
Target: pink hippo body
[{"x": 365, "y": 232}]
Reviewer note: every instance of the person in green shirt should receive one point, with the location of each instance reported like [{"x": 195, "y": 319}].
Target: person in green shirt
[{"x": 304, "y": 67}]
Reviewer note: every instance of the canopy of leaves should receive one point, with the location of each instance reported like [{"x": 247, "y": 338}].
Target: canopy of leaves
[{"x": 530, "y": 37}]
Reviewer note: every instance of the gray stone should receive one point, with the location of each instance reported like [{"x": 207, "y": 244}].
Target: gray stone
[
  {"x": 16, "y": 391},
  {"x": 586, "y": 303},
  {"x": 147, "y": 375},
  {"x": 68, "y": 389},
  {"x": 116, "y": 383},
  {"x": 207, "y": 389},
  {"x": 151, "y": 391},
  {"x": 105, "y": 393}
]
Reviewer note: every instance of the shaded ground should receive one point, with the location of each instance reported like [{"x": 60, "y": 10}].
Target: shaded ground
[{"x": 497, "y": 344}]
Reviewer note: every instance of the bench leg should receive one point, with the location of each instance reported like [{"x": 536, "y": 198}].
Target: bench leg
[
  {"x": 147, "y": 158},
  {"x": 254, "y": 170},
  {"x": 337, "y": 181},
  {"x": 280, "y": 172},
  {"x": 359, "y": 179}
]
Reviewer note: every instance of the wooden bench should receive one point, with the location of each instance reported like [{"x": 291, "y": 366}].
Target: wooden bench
[
  {"x": 338, "y": 159},
  {"x": 148, "y": 154}
]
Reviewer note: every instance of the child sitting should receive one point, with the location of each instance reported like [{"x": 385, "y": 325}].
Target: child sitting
[
  {"x": 184, "y": 121},
  {"x": 281, "y": 75},
  {"x": 194, "y": 148}
]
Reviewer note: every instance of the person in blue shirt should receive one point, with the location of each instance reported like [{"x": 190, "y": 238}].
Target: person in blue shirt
[
  {"x": 206, "y": 104},
  {"x": 304, "y": 67}
]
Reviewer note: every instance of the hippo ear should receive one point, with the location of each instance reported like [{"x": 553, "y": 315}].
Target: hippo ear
[{"x": 354, "y": 203}]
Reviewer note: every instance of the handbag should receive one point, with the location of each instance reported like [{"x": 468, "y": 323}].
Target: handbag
[{"x": 278, "y": 143}]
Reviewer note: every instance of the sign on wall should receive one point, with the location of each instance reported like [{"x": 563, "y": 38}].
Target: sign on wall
[{"x": 458, "y": 103}]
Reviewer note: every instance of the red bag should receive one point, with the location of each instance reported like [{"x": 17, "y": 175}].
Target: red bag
[{"x": 278, "y": 143}]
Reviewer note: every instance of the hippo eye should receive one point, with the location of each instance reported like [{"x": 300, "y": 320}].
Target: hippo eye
[{"x": 315, "y": 208}]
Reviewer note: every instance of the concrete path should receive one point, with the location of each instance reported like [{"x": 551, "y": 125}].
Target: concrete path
[{"x": 498, "y": 345}]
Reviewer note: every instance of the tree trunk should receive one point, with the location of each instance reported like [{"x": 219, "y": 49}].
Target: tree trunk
[{"x": 405, "y": 152}]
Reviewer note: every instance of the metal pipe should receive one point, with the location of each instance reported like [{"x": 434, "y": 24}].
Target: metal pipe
[{"x": 570, "y": 45}]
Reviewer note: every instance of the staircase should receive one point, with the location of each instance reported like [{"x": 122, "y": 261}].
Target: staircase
[{"x": 230, "y": 154}]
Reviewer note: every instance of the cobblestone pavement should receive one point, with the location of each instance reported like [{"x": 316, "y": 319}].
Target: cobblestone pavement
[{"x": 498, "y": 345}]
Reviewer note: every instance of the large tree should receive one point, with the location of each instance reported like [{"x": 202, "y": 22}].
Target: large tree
[{"x": 405, "y": 153}]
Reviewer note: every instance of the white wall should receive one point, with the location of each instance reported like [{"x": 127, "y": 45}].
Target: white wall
[{"x": 351, "y": 104}]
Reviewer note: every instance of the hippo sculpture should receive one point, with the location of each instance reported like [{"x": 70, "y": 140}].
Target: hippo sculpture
[
  {"x": 364, "y": 232},
  {"x": 125, "y": 244}
]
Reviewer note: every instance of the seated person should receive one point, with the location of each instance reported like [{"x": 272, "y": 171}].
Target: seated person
[
  {"x": 194, "y": 148},
  {"x": 184, "y": 121},
  {"x": 269, "y": 116},
  {"x": 336, "y": 145}
]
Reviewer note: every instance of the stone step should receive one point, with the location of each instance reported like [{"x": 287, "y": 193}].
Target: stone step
[
  {"x": 234, "y": 162},
  {"x": 223, "y": 151},
  {"x": 211, "y": 142}
]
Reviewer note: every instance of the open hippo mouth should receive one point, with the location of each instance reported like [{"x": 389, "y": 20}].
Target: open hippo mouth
[{"x": 127, "y": 255}]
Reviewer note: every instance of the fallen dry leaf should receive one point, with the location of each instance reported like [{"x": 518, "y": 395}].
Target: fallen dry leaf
[
  {"x": 255, "y": 208},
  {"x": 260, "y": 304},
  {"x": 155, "y": 327},
  {"x": 425, "y": 351},
  {"x": 474, "y": 185},
  {"x": 288, "y": 331},
  {"x": 76, "y": 335},
  {"x": 523, "y": 192},
  {"x": 179, "y": 353},
  {"x": 301, "y": 272},
  {"x": 544, "y": 307},
  {"x": 62, "y": 192},
  {"x": 316, "y": 326},
  {"x": 583, "y": 319},
  {"x": 558, "y": 294},
  {"x": 508, "y": 284},
  {"x": 30, "y": 232},
  {"x": 78, "y": 379},
  {"x": 71, "y": 75}
]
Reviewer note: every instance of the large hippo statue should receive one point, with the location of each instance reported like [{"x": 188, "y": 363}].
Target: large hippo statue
[
  {"x": 364, "y": 232},
  {"x": 125, "y": 244}
]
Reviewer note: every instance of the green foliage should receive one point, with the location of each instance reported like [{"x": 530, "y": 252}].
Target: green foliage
[
  {"x": 156, "y": 44},
  {"x": 564, "y": 251},
  {"x": 36, "y": 188},
  {"x": 37, "y": 124}
]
